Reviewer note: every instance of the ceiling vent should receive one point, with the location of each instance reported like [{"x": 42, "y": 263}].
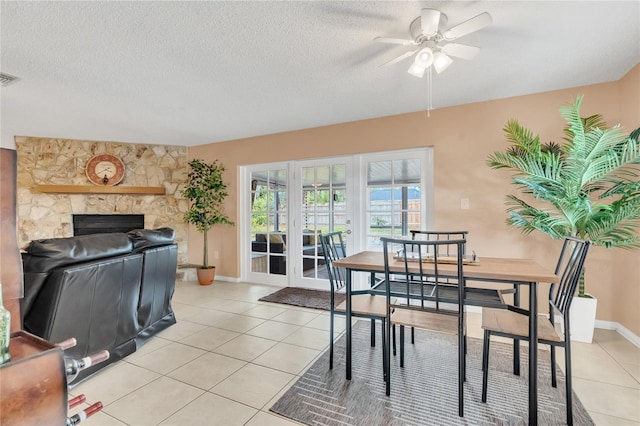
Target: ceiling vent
[{"x": 6, "y": 79}]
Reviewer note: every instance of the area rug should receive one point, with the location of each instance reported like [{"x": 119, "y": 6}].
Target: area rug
[
  {"x": 424, "y": 392},
  {"x": 308, "y": 298}
]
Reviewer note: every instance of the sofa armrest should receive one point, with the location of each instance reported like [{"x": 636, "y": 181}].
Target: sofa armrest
[{"x": 145, "y": 238}]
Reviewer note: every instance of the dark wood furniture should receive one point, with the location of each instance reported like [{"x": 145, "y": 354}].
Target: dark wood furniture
[
  {"x": 33, "y": 384},
  {"x": 11, "y": 269}
]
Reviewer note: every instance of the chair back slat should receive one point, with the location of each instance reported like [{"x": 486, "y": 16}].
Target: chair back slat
[
  {"x": 414, "y": 286},
  {"x": 333, "y": 249},
  {"x": 569, "y": 268},
  {"x": 446, "y": 250}
]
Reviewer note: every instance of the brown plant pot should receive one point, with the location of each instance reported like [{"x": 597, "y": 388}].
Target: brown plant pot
[{"x": 206, "y": 276}]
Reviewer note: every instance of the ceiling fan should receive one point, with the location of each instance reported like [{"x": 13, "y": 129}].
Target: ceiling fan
[{"x": 434, "y": 45}]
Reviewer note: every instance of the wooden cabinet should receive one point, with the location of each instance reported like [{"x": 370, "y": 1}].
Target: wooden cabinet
[{"x": 33, "y": 383}]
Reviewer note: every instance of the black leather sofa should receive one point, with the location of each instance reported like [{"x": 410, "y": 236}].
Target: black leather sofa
[{"x": 109, "y": 291}]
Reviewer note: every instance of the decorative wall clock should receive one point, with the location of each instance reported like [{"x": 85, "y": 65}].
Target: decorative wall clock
[{"x": 105, "y": 169}]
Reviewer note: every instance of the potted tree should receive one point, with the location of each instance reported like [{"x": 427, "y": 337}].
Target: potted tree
[
  {"x": 588, "y": 186},
  {"x": 206, "y": 191}
]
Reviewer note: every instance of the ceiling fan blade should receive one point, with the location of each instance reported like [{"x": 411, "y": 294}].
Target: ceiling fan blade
[
  {"x": 462, "y": 51},
  {"x": 429, "y": 20},
  {"x": 469, "y": 26},
  {"x": 399, "y": 58},
  {"x": 404, "y": 42}
]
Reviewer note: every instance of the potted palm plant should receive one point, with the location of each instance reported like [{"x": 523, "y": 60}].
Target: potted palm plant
[
  {"x": 587, "y": 186},
  {"x": 206, "y": 192}
]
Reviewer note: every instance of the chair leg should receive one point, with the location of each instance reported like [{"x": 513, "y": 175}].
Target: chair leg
[
  {"x": 485, "y": 364},
  {"x": 394, "y": 339},
  {"x": 402, "y": 346},
  {"x": 568, "y": 391},
  {"x": 516, "y": 357},
  {"x": 464, "y": 358},
  {"x": 466, "y": 351},
  {"x": 384, "y": 347},
  {"x": 331, "y": 340},
  {"x": 387, "y": 361},
  {"x": 461, "y": 372},
  {"x": 373, "y": 333},
  {"x": 554, "y": 381}
]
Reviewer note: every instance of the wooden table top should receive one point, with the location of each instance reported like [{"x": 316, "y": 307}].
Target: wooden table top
[{"x": 489, "y": 268}]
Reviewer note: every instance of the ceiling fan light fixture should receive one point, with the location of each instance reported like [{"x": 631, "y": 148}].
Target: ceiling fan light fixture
[
  {"x": 441, "y": 61},
  {"x": 424, "y": 58},
  {"x": 416, "y": 70}
]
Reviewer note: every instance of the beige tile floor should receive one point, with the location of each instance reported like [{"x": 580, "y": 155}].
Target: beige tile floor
[{"x": 230, "y": 357}]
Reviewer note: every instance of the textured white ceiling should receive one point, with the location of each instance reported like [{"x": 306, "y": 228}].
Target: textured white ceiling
[{"x": 189, "y": 73}]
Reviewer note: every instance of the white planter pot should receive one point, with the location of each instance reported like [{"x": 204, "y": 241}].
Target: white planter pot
[{"x": 582, "y": 317}]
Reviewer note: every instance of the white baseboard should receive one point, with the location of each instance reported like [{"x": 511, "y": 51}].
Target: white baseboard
[
  {"x": 229, "y": 279},
  {"x": 621, "y": 329}
]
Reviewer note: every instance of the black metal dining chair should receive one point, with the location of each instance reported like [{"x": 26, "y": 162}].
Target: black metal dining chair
[
  {"x": 514, "y": 324},
  {"x": 422, "y": 300},
  {"x": 447, "y": 251},
  {"x": 440, "y": 236},
  {"x": 363, "y": 304},
  {"x": 476, "y": 296}
]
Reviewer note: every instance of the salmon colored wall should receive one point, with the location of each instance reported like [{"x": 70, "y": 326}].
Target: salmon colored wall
[
  {"x": 462, "y": 137},
  {"x": 625, "y": 282}
]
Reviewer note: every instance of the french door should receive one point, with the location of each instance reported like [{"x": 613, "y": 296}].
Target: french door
[
  {"x": 286, "y": 206},
  {"x": 323, "y": 204},
  {"x": 265, "y": 228}
]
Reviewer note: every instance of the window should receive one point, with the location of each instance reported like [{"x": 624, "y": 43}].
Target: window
[{"x": 395, "y": 198}]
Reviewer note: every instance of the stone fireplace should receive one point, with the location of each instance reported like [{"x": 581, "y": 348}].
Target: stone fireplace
[{"x": 46, "y": 161}]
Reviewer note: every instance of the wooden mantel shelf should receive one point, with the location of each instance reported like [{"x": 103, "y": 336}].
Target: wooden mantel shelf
[{"x": 95, "y": 189}]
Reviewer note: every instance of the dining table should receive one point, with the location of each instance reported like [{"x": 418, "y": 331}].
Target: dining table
[{"x": 487, "y": 269}]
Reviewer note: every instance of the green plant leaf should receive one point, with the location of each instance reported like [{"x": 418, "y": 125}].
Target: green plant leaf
[
  {"x": 206, "y": 191},
  {"x": 590, "y": 182}
]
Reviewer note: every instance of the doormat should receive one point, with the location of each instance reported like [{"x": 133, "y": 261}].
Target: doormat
[{"x": 304, "y": 297}]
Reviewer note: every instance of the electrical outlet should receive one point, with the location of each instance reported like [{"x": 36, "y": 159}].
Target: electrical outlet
[
  {"x": 464, "y": 204},
  {"x": 216, "y": 254}
]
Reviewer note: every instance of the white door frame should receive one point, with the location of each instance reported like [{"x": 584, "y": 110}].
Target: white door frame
[
  {"x": 245, "y": 229},
  {"x": 296, "y": 273},
  {"x": 356, "y": 184}
]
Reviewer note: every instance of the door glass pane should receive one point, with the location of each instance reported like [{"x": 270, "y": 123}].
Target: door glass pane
[
  {"x": 379, "y": 172},
  {"x": 406, "y": 171},
  {"x": 393, "y": 199},
  {"x": 323, "y": 211},
  {"x": 339, "y": 175},
  {"x": 269, "y": 222}
]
